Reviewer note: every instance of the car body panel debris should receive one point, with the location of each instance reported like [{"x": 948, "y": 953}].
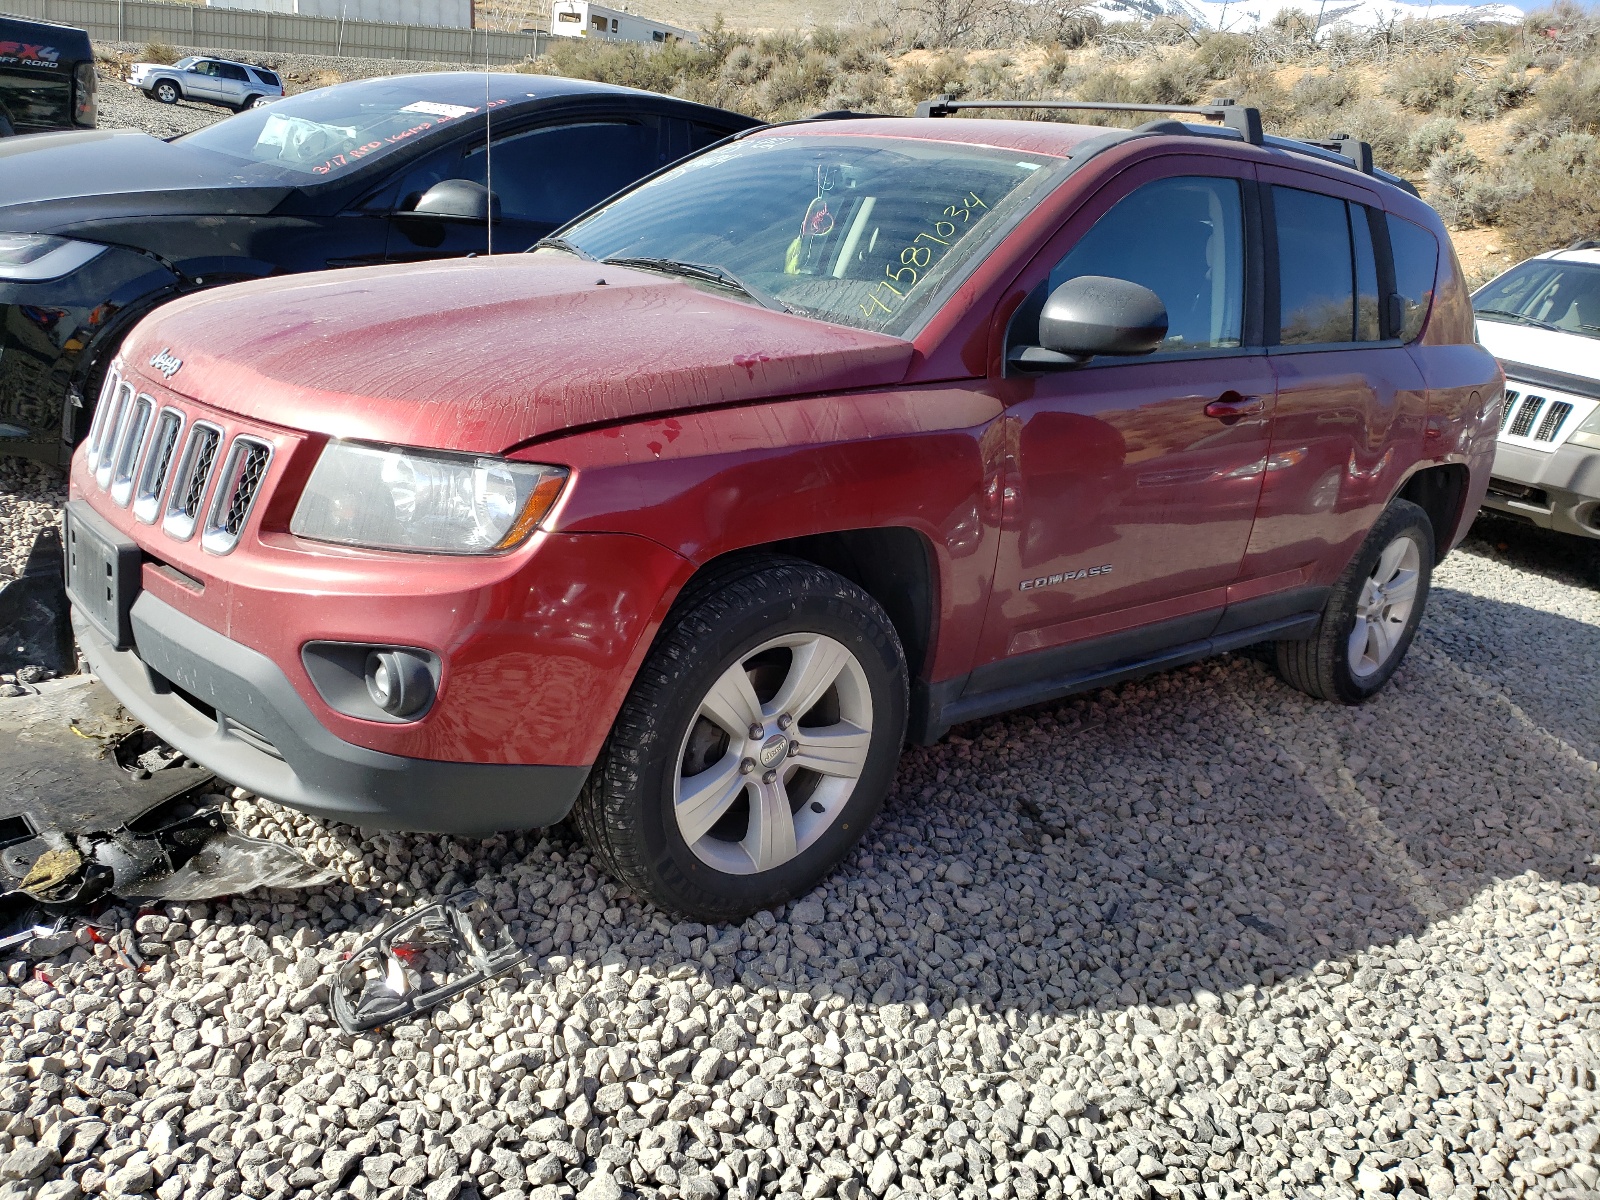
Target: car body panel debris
[{"x": 422, "y": 960}]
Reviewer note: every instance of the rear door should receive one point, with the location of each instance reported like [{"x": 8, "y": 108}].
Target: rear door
[
  {"x": 1351, "y": 401},
  {"x": 1128, "y": 504}
]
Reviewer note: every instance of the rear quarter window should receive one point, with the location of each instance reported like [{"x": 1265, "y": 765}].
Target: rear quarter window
[{"x": 1416, "y": 267}]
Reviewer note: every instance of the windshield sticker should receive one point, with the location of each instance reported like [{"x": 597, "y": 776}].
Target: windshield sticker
[
  {"x": 434, "y": 109},
  {"x": 916, "y": 258}
]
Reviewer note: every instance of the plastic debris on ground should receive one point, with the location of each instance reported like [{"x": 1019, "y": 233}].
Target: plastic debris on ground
[{"x": 421, "y": 960}]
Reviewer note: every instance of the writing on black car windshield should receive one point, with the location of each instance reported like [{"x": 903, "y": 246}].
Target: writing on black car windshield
[
  {"x": 861, "y": 231},
  {"x": 331, "y": 131}
]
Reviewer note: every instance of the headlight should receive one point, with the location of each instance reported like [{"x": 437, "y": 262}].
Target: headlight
[
  {"x": 392, "y": 498},
  {"x": 1587, "y": 434},
  {"x": 31, "y": 257}
]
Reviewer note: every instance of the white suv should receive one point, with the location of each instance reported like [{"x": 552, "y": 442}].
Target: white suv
[
  {"x": 233, "y": 85},
  {"x": 1541, "y": 319}
]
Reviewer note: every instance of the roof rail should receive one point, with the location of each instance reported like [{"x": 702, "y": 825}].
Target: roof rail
[{"x": 1240, "y": 117}]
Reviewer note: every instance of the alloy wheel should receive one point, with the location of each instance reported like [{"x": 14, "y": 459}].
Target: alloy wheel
[
  {"x": 1384, "y": 609},
  {"x": 773, "y": 754}
]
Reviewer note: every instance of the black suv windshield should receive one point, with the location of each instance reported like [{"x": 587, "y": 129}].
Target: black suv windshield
[
  {"x": 330, "y": 132},
  {"x": 1545, "y": 293},
  {"x": 861, "y": 231}
]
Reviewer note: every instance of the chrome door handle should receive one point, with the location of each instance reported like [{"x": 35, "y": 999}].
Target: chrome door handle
[{"x": 1231, "y": 407}]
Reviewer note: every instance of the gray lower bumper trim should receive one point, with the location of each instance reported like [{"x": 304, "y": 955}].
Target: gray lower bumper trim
[{"x": 317, "y": 772}]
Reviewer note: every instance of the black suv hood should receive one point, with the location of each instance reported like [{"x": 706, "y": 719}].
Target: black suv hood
[{"x": 56, "y": 182}]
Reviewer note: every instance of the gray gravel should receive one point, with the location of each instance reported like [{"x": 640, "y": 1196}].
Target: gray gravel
[
  {"x": 1194, "y": 936},
  {"x": 31, "y": 496}
]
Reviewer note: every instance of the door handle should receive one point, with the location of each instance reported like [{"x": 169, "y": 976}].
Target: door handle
[{"x": 1231, "y": 407}]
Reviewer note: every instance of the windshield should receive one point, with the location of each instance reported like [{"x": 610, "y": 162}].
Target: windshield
[
  {"x": 861, "y": 231},
  {"x": 1545, "y": 293},
  {"x": 330, "y": 132}
]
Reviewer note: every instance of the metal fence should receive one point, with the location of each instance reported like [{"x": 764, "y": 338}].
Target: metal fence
[{"x": 278, "y": 33}]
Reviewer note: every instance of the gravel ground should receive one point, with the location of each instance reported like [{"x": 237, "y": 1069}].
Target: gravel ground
[
  {"x": 31, "y": 495},
  {"x": 1194, "y": 936},
  {"x": 123, "y": 106}
]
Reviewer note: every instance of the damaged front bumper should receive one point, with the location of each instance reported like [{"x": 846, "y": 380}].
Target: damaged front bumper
[{"x": 231, "y": 709}]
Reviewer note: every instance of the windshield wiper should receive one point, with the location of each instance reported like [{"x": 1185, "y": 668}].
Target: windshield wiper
[
  {"x": 708, "y": 272},
  {"x": 1521, "y": 318},
  {"x": 556, "y": 243}
]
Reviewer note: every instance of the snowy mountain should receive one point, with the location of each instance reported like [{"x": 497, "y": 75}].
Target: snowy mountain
[{"x": 1242, "y": 16}]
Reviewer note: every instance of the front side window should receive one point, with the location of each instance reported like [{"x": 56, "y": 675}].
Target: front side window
[
  {"x": 551, "y": 175},
  {"x": 861, "y": 231},
  {"x": 1547, "y": 294},
  {"x": 1182, "y": 238}
]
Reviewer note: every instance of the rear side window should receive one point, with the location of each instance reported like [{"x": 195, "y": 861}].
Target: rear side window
[
  {"x": 1182, "y": 238},
  {"x": 1416, "y": 263},
  {"x": 266, "y": 77},
  {"x": 551, "y": 175},
  {"x": 1328, "y": 291}
]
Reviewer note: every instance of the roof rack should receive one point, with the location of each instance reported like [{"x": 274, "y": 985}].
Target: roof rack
[
  {"x": 1239, "y": 120},
  {"x": 1240, "y": 117}
]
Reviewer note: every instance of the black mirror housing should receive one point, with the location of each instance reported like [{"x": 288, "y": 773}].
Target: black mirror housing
[
  {"x": 457, "y": 200},
  {"x": 1096, "y": 314}
]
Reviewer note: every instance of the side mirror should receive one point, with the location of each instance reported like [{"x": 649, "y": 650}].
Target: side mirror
[
  {"x": 1093, "y": 315},
  {"x": 456, "y": 200}
]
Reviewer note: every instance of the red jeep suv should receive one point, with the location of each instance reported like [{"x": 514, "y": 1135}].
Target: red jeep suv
[{"x": 831, "y": 437}]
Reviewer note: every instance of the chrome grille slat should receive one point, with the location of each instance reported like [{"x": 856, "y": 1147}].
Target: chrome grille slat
[
  {"x": 102, "y": 413},
  {"x": 126, "y": 461},
  {"x": 106, "y": 449},
  {"x": 190, "y": 480},
  {"x": 151, "y": 484},
  {"x": 1526, "y": 416},
  {"x": 1507, "y": 407},
  {"x": 238, "y": 484},
  {"x": 1554, "y": 418}
]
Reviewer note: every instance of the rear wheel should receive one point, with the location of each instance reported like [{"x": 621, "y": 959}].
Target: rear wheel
[
  {"x": 166, "y": 92},
  {"x": 1371, "y": 615},
  {"x": 756, "y": 746},
  {"x": 248, "y": 102}
]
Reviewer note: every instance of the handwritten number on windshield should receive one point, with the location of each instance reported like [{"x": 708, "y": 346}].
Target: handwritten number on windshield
[{"x": 918, "y": 257}]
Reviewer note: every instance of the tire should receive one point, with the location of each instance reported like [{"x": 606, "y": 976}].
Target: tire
[
  {"x": 246, "y": 104},
  {"x": 166, "y": 92},
  {"x": 733, "y": 642},
  {"x": 1366, "y": 627}
]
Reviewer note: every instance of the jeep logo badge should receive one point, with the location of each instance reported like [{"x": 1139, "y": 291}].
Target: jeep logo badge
[
  {"x": 773, "y": 750},
  {"x": 165, "y": 363}
]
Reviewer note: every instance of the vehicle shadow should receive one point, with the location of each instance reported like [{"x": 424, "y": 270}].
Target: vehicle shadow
[{"x": 1209, "y": 828}]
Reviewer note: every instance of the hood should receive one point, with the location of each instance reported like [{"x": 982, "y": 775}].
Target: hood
[
  {"x": 482, "y": 355},
  {"x": 50, "y": 182},
  {"x": 1547, "y": 349}
]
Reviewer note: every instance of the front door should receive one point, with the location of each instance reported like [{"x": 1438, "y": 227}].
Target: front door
[
  {"x": 200, "y": 81},
  {"x": 1133, "y": 484}
]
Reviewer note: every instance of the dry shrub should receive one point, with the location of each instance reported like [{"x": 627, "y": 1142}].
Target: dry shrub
[
  {"x": 1558, "y": 200},
  {"x": 1572, "y": 101},
  {"x": 938, "y": 75},
  {"x": 1428, "y": 84},
  {"x": 1319, "y": 96},
  {"x": 1224, "y": 54},
  {"x": 158, "y": 52},
  {"x": 1431, "y": 139}
]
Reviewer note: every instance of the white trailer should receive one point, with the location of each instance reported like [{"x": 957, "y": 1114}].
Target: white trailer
[{"x": 579, "y": 18}]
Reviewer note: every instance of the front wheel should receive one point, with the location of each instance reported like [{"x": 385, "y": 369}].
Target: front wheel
[
  {"x": 166, "y": 93},
  {"x": 756, "y": 745},
  {"x": 1371, "y": 615}
]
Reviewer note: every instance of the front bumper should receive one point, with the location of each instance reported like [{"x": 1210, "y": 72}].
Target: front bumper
[
  {"x": 1558, "y": 490},
  {"x": 231, "y": 709}
]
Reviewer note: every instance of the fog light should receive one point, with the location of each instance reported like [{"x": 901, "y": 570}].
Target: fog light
[{"x": 399, "y": 683}]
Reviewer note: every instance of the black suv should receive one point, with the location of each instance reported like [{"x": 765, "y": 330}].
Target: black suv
[
  {"x": 99, "y": 228},
  {"x": 47, "y": 78}
]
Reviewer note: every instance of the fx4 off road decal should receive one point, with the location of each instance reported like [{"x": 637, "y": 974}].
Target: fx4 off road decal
[{"x": 1027, "y": 585}]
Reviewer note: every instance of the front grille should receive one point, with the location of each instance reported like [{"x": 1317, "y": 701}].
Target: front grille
[
  {"x": 126, "y": 458},
  {"x": 152, "y": 480},
  {"x": 189, "y": 483},
  {"x": 104, "y": 416},
  {"x": 1554, "y": 418},
  {"x": 111, "y": 435},
  {"x": 1523, "y": 421},
  {"x": 237, "y": 487}
]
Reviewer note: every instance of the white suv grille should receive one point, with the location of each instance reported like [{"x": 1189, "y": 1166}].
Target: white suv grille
[
  {"x": 1539, "y": 418},
  {"x": 173, "y": 469}
]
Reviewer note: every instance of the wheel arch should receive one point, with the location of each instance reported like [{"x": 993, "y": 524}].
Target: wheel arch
[
  {"x": 1440, "y": 490},
  {"x": 895, "y": 565}
]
